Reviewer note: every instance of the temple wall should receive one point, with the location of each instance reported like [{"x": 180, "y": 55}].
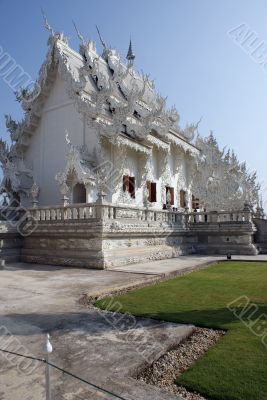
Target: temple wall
[
  {"x": 129, "y": 241},
  {"x": 133, "y": 164},
  {"x": 46, "y": 155},
  {"x": 105, "y": 236},
  {"x": 11, "y": 241},
  {"x": 261, "y": 234},
  {"x": 106, "y": 243},
  {"x": 47, "y": 150},
  {"x": 224, "y": 238}
]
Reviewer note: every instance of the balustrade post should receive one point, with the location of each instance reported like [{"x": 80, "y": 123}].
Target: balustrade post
[{"x": 100, "y": 211}]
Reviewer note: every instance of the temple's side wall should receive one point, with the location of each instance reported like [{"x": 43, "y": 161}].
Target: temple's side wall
[
  {"x": 97, "y": 246},
  {"x": 11, "y": 242},
  {"x": 134, "y": 165},
  {"x": 46, "y": 156},
  {"x": 47, "y": 150},
  {"x": 261, "y": 235},
  {"x": 105, "y": 236},
  {"x": 224, "y": 238}
]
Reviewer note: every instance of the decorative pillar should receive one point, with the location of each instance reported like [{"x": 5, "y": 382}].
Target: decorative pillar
[
  {"x": 64, "y": 190},
  {"x": 146, "y": 196},
  {"x": 100, "y": 203},
  {"x": 35, "y": 190},
  {"x": 168, "y": 199},
  {"x": 101, "y": 197}
]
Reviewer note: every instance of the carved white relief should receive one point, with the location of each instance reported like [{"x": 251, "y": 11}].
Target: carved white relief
[
  {"x": 124, "y": 108},
  {"x": 220, "y": 181},
  {"x": 35, "y": 190},
  {"x": 14, "y": 169},
  {"x": 78, "y": 167}
]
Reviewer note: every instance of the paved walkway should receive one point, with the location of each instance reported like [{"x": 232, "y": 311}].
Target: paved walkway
[
  {"x": 175, "y": 266},
  {"x": 170, "y": 267},
  {"x": 100, "y": 347}
]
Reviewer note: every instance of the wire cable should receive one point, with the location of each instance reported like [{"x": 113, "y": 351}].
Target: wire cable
[{"x": 42, "y": 360}]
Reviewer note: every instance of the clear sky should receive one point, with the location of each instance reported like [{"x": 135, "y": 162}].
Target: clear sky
[{"x": 182, "y": 44}]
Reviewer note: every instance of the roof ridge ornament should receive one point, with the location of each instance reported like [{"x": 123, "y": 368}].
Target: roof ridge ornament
[
  {"x": 106, "y": 48},
  {"x": 101, "y": 39},
  {"x": 46, "y": 23},
  {"x": 80, "y": 36},
  {"x": 130, "y": 55},
  {"x": 54, "y": 36}
]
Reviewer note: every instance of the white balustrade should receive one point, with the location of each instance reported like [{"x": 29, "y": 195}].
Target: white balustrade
[
  {"x": 110, "y": 212},
  {"x": 219, "y": 217}
]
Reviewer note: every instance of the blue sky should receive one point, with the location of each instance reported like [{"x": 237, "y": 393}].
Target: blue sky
[{"x": 182, "y": 44}]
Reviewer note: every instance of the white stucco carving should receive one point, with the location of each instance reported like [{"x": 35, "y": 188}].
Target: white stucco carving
[
  {"x": 115, "y": 118},
  {"x": 220, "y": 180}
]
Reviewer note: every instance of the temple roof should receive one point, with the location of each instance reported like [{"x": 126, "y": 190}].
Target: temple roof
[{"x": 114, "y": 97}]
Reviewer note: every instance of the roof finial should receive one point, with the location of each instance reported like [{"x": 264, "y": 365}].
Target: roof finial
[
  {"x": 101, "y": 40},
  {"x": 47, "y": 26},
  {"x": 130, "y": 55},
  {"x": 80, "y": 36}
]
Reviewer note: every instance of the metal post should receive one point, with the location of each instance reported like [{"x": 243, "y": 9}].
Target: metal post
[
  {"x": 47, "y": 379},
  {"x": 47, "y": 350}
]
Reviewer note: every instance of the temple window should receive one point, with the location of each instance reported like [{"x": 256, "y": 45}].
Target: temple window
[
  {"x": 152, "y": 191},
  {"x": 79, "y": 193},
  {"x": 171, "y": 191},
  {"x": 182, "y": 199},
  {"x": 129, "y": 185},
  {"x": 195, "y": 203}
]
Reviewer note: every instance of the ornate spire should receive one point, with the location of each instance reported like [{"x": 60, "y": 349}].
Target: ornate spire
[{"x": 130, "y": 55}]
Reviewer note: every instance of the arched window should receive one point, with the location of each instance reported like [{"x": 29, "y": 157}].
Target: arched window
[{"x": 79, "y": 193}]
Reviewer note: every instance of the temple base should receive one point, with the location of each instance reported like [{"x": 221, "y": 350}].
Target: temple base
[{"x": 104, "y": 236}]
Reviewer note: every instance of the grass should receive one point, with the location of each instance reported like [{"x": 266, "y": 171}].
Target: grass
[{"x": 236, "y": 368}]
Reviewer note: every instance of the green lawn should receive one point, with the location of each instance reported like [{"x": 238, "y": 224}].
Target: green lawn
[{"x": 236, "y": 368}]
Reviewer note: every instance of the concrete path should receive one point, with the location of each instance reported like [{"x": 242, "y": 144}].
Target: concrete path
[
  {"x": 100, "y": 347},
  {"x": 179, "y": 265},
  {"x": 103, "y": 348},
  {"x": 259, "y": 258},
  {"x": 170, "y": 267}
]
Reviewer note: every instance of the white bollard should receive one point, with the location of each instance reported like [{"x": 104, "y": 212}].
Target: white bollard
[{"x": 47, "y": 350}]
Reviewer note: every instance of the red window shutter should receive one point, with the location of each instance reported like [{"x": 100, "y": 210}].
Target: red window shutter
[
  {"x": 132, "y": 186},
  {"x": 153, "y": 192},
  {"x": 126, "y": 183},
  {"x": 148, "y": 185}
]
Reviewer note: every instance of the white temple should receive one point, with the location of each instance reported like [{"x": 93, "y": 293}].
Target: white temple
[{"x": 96, "y": 132}]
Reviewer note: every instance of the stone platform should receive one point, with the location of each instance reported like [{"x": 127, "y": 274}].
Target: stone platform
[{"x": 102, "y": 236}]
